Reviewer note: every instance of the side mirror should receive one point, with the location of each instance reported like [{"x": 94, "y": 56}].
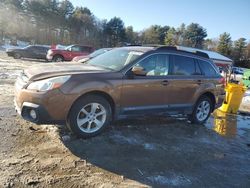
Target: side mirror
[{"x": 137, "y": 70}]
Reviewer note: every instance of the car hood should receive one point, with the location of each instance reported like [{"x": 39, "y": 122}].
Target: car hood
[{"x": 43, "y": 71}]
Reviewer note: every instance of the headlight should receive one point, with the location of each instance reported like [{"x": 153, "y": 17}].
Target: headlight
[{"x": 48, "y": 84}]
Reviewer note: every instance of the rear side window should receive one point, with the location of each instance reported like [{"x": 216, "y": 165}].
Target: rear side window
[
  {"x": 183, "y": 65},
  {"x": 86, "y": 49},
  {"x": 207, "y": 68}
]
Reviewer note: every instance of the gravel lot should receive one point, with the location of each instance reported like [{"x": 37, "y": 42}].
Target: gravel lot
[{"x": 147, "y": 152}]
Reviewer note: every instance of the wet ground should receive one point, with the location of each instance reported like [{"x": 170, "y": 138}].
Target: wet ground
[{"x": 147, "y": 152}]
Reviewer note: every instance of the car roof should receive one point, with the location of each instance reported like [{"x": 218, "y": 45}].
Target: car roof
[
  {"x": 43, "y": 46},
  {"x": 173, "y": 49},
  {"x": 143, "y": 49}
]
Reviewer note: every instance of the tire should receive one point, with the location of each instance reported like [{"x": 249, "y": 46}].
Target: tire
[
  {"x": 83, "y": 119},
  {"x": 17, "y": 56},
  {"x": 58, "y": 58},
  {"x": 202, "y": 110}
]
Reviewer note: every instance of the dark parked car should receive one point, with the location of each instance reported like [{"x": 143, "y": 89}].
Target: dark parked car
[
  {"x": 67, "y": 54},
  {"x": 123, "y": 82},
  {"x": 32, "y": 51}
]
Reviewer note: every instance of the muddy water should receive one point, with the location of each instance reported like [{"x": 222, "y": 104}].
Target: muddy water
[
  {"x": 146, "y": 152},
  {"x": 229, "y": 125}
]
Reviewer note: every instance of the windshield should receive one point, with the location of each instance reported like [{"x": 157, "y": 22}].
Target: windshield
[
  {"x": 115, "y": 59},
  {"x": 98, "y": 52}
]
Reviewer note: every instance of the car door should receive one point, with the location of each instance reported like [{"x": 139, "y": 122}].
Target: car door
[
  {"x": 41, "y": 52},
  {"x": 29, "y": 52},
  {"x": 184, "y": 81},
  {"x": 147, "y": 92},
  {"x": 75, "y": 51},
  {"x": 35, "y": 52}
]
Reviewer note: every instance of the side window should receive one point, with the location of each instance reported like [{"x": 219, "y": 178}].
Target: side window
[
  {"x": 197, "y": 69},
  {"x": 85, "y": 49},
  {"x": 155, "y": 65},
  {"x": 183, "y": 65},
  {"x": 42, "y": 49},
  {"x": 207, "y": 69},
  {"x": 75, "y": 49},
  {"x": 31, "y": 48}
]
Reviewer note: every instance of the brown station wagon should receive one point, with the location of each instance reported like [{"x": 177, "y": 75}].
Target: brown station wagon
[{"x": 124, "y": 82}]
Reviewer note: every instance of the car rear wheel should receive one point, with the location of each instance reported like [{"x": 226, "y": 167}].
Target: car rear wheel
[
  {"x": 89, "y": 116},
  {"x": 58, "y": 58},
  {"x": 17, "y": 56},
  {"x": 202, "y": 110}
]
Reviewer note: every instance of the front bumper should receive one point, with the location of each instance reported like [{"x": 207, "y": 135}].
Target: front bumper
[
  {"x": 50, "y": 107},
  {"x": 42, "y": 116}
]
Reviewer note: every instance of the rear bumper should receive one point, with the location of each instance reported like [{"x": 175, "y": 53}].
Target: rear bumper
[{"x": 49, "y": 57}]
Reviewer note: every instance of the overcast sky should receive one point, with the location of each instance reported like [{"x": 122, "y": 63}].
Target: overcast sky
[{"x": 217, "y": 16}]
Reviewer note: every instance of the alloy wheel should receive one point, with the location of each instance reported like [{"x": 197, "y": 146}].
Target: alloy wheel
[
  {"x": 91, "y": 117},
  {"x": 203, "y": 110}
]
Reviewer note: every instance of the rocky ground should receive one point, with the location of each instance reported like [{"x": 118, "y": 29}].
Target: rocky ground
[{"x": 148, "y": 152}]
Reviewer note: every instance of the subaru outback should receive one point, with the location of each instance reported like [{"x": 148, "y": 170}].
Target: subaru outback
[{"x": 123, "y": 82}]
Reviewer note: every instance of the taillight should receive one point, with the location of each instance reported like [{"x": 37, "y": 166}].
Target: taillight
[{"x": 222, "y": 81}]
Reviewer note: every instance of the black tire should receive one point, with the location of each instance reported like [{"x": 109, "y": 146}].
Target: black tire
[
  {"x": 17, "y": 56},
  {"x": 58, "y": 58},
  {"x": 75, "y": 112},
  {"x": 194, "y": 116}
]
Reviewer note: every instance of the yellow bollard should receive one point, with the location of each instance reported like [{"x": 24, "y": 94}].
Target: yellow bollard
[{"x": 234, "y": 95}]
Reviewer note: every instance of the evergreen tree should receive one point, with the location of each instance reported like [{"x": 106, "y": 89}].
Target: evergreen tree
[{"x": 225, "y": 44}]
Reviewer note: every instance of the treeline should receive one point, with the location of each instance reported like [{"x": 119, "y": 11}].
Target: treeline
[{"x": 59, "y": 22}]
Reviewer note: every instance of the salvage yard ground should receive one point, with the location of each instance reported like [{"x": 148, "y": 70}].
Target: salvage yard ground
[{"x": 147, "y": 152}]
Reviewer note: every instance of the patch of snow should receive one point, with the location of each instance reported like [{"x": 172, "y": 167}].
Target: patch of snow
[
  {"x": 246, "y": 99},
  {"x": 149, "y": 146},
  {"x": 126, "y": 140},
  {"x": 172, "y": 180},
  {"x": 8, "y": 75}
]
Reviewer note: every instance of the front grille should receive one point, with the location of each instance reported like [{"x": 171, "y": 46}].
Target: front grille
[{"x": 21, "y": 81}]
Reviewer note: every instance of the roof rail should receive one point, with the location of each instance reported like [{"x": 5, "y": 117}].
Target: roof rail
[
  {"x": 202, "y": 54},
  {"x": 167, "y": 48},
  {"x": 174, "y": 48}
]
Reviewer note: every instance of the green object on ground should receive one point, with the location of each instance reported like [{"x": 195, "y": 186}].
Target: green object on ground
[{"x": 246, "y": 78}]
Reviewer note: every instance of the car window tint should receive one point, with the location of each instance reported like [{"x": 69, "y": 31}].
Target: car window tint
[
  {"x": 86, "y": 49},
  {"x": 155, "y": 65},
  {"x": 183, "y": 65},
  {"x": 207, "y": 68},
  {"x": 197, "y": 69}
]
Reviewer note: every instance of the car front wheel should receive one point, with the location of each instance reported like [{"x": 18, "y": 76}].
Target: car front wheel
[
  {"x": 89, "y": 116},
  {"x": 202, "y": 110},
  {"x": 58, "y": 58}
]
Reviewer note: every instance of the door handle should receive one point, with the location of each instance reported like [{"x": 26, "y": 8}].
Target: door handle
[{"x": 164, "y": 82}]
